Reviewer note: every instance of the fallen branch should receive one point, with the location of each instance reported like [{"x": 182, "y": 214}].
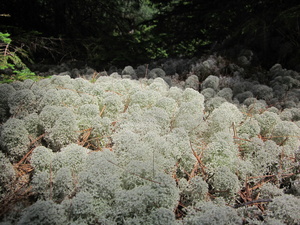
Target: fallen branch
[
  {"x": 258, "y": 201},
  {"x": 31, "y": 150}
]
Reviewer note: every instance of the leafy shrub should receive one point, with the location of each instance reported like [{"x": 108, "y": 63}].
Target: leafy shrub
[{"x": 10, "y": 59}]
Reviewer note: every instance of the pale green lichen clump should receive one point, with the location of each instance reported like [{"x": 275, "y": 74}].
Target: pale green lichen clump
[{"x": 121, "y": 151}]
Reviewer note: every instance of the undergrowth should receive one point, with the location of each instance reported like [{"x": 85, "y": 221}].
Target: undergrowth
[{"x": 12, "y": 67}]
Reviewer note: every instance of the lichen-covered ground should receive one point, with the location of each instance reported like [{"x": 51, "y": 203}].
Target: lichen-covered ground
[{"x": 149, "y": 146}]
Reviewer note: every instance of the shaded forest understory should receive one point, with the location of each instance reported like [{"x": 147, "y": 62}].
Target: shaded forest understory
[{"x": 119, "y": 33}]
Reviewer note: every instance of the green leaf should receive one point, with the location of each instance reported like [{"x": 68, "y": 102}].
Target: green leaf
[{"x": 4, "y": 38}]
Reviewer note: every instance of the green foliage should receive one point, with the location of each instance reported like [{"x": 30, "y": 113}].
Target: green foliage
[
  {"x": 101, "y": 33},
  {"x": 10, "y": 58},
  {"x": 5, "y": 38},
  {"x": 134, "y": 31}
]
